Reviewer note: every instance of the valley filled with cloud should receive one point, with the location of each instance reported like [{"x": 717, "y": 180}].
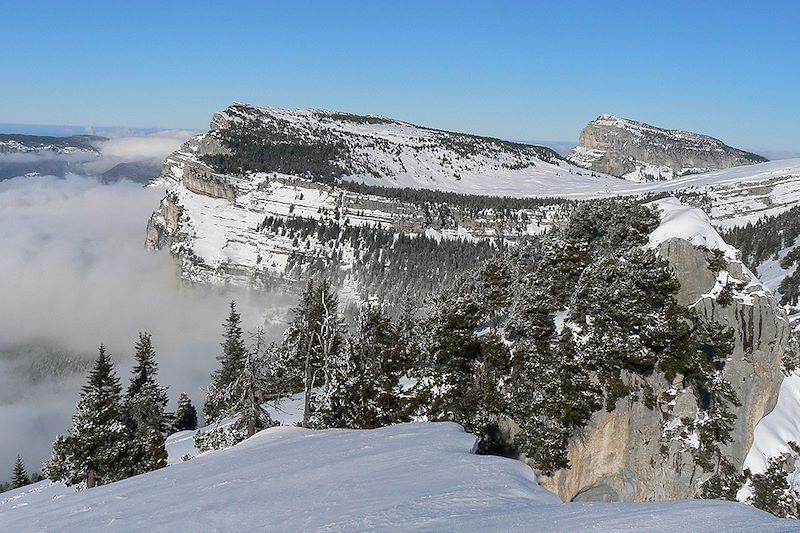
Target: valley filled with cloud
[{"x": 74, "y": 274}]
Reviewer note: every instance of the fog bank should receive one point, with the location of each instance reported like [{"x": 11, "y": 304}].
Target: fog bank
[{"x": 74, "y": 274}]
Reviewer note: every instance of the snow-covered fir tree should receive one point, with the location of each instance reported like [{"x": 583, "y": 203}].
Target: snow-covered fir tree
[
  {"x": 459, "y": 369},
  {"x": 146, "y": 400},
  {"x": 363, "y": 388},
  {"x": 185, "y": 414},
  {"x": 771, "y": 490},
  {"x": 232, "y": 360},
  {"x": 19, "y": 477},
  {"x": 251, "y": 390},
  {"x": 244, "y": 399},
  {"x": 96, "y": 450}
]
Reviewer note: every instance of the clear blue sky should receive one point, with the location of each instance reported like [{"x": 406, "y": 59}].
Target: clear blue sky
[{"x": 519, "y": 70}]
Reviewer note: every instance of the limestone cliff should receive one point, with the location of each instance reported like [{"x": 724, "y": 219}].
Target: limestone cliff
[
  {"x": 640, "y": 152},
  {"x": 634, "y": 453},
  {"x": 227, "y": 223}
]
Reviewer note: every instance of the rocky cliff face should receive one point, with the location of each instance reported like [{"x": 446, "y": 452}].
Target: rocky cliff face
[
  {"x": 640, "y": 152},
  {"x": 634, "y": 453},
  {"x": 249, "y": 200}
]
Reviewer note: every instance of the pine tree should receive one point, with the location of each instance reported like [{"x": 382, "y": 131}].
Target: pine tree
[
  {"x": 244, "y": 398},
  {"x": 96, "y": 450},
  {"x": 19, "y": 477},
  {"x": 185, "y": 415},
  {"x": 231, "y": 361},
  {"x": 363, "y": 388},
  {"x": 313, "y": 340},
  {"x": 146, "y": 400},
  {"x": 451, "y": 351},
  {"x": 147, "y": 450},
  {"x": 145, "y": 403}
]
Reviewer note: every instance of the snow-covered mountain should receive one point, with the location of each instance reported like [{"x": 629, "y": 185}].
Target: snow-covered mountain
[
  {"x": 327, "y": 145},
  {"x": 33, "y": 155},
  {"x": 258, "y": 199},
  {"x": 137, "y": 159},
  {"x": 249, "y": 201},
  {"x": 409, "y": 477},
  {"x": 641, "y": 152}
]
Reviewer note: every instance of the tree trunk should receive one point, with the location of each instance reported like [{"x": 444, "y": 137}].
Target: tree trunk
[
  {"x": 307, "y": 399},
  {"x": 91, "y": 480}
]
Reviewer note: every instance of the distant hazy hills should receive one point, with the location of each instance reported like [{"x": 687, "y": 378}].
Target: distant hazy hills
[{"x": 31, "y": 155}]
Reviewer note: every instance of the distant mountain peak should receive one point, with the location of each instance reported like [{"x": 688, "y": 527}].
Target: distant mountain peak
[{"x": 641, "y": 152}]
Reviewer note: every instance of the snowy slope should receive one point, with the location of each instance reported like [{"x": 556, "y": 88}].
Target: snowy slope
[
  {"x": 388, "y": 152},
  {"x": 772, "y": 435},
  {"x": 408, "y": 477},
  {"x": 736, "y": 195}
]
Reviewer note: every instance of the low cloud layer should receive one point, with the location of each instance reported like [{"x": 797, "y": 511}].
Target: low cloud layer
[
  {"x": 150, "y": 149},
  {"x": 74, "y": 274}
]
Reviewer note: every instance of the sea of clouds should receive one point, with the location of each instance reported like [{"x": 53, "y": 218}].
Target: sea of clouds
[{"x": 74, "y": 274}]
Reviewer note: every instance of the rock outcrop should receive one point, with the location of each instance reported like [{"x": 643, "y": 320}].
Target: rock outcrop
[
  {"x": 640, "y": 152},
  {"x": 634, "y": 453}
]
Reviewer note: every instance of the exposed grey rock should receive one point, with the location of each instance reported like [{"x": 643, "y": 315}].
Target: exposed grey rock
[
  {"x": 640, "y": 152},
  {"x": 635, "y": 454},
  {"x": 163, "y": 225},
  {"x": 186, "y": 166}
]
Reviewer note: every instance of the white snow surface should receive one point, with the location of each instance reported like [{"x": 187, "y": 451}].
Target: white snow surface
[
  {"x": 771, "y": 273},
  {"x": 407, "y": 477},
  {"x": 689, "y": 223},
  {"x": 781, "y": 426}
]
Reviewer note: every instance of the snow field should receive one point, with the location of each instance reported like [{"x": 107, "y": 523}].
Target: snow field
[{"x": 407, "y": 477}]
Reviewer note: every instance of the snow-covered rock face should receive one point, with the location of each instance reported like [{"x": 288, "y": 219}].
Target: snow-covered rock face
[
  {"x": 635, "y": 453},
  {"x": 640, "y": 152},
  {"x": 217, "y": 233},
  {"x": 212, "y": 220}
]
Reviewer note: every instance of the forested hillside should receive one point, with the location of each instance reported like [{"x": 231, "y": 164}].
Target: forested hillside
[
  {"x": 771, "y": 248},
  {"x": 576, "y": 321}
]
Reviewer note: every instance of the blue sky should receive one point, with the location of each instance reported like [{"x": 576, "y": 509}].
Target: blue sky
[{"x": 518, "y": 70}]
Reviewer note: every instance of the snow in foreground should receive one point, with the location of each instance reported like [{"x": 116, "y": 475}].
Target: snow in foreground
[{"x": 403, "y": 477}]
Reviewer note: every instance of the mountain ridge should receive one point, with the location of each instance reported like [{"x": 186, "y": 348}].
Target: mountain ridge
[
  {"x": 22, "y": 143},
  {"x": 249, "y": 200},
  {"x": 638, "y": 151}
]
